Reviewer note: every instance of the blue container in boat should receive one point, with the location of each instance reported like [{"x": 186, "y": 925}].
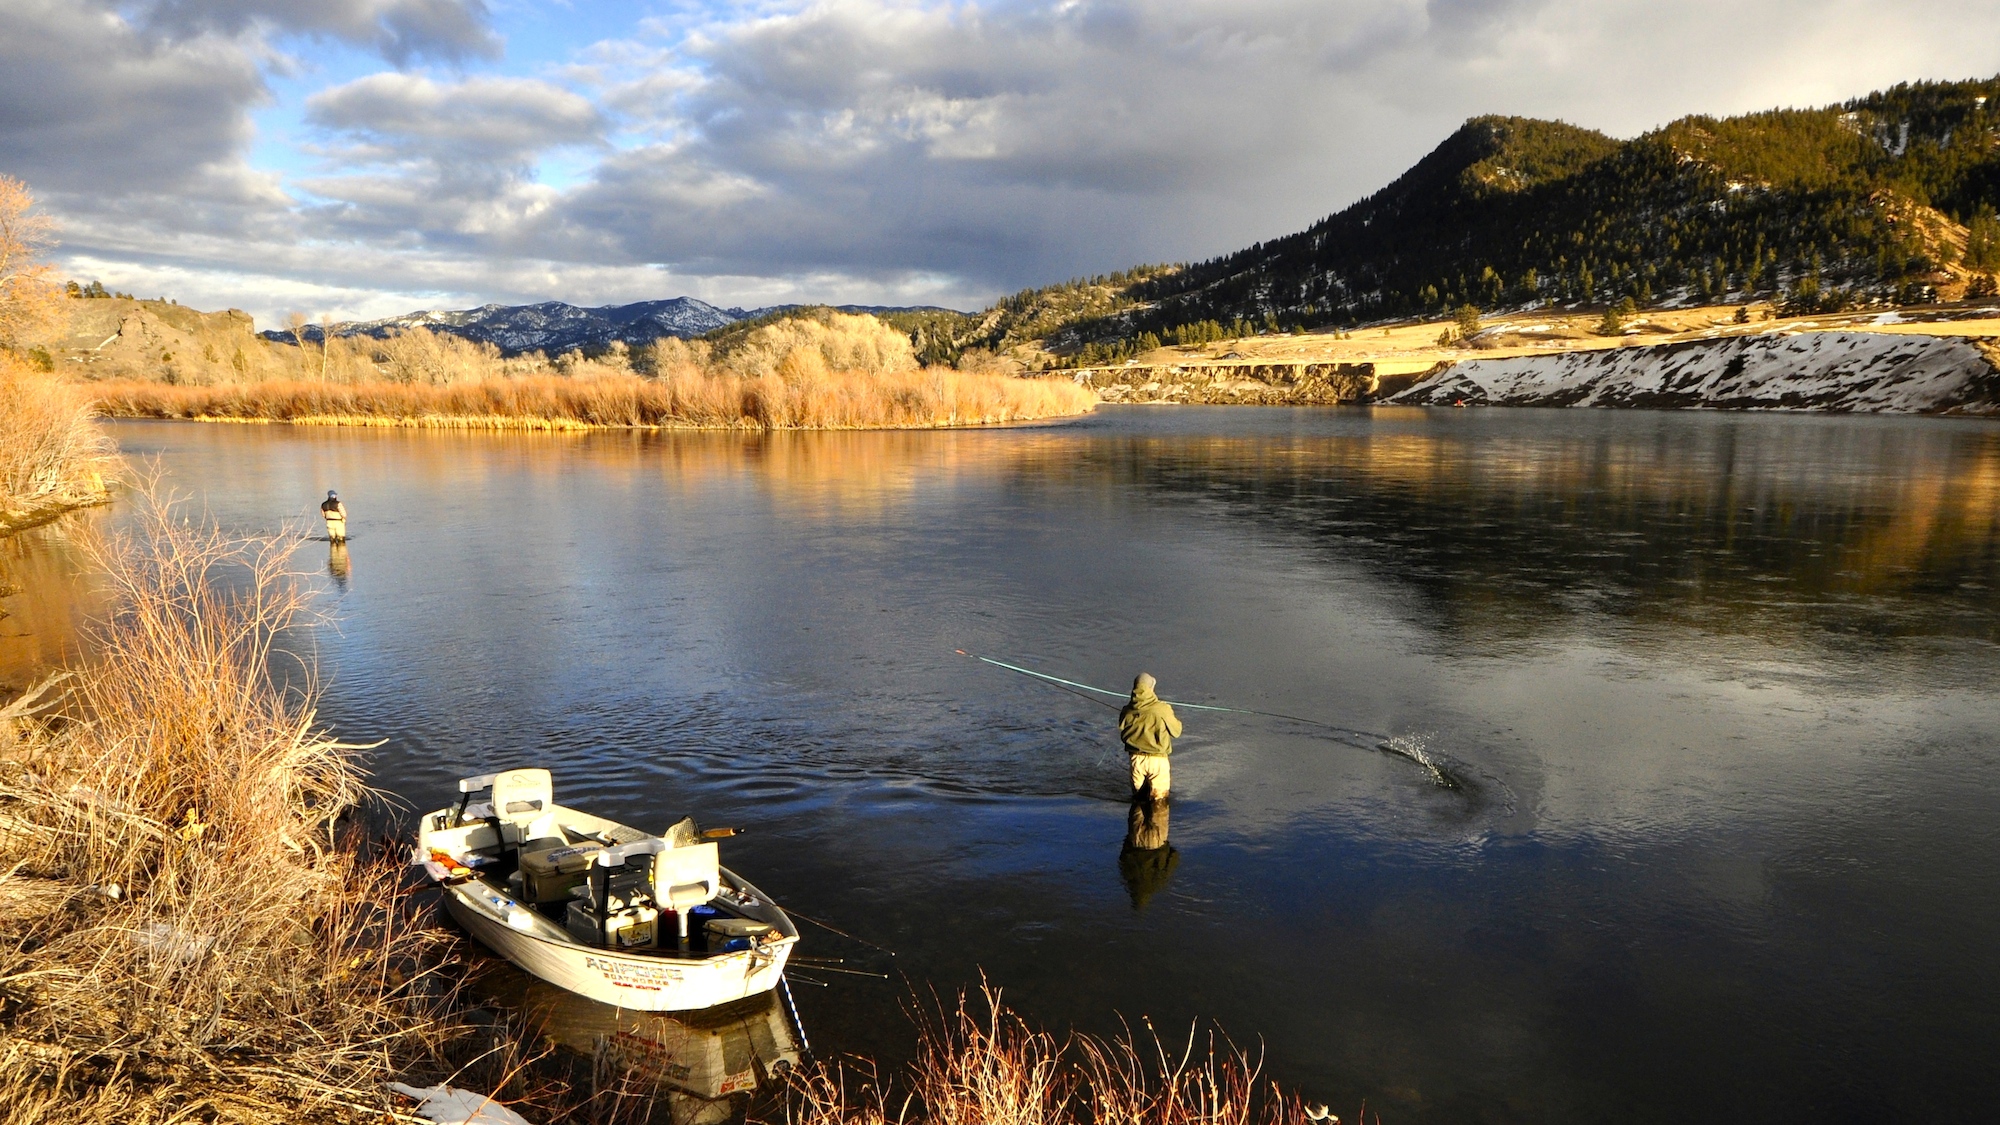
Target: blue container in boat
[{"x": 698, "y": 919}]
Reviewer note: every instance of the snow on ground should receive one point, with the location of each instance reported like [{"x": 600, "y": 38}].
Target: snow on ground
[{"x": 1839, "y": 371}]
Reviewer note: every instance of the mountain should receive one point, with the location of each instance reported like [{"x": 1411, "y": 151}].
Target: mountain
[
  {"x": 552, "y": 326},
  {"x": 1890, "y": 196}
]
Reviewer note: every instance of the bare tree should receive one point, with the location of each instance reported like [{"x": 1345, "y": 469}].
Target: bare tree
[
  {"x": 296, "y": 323},
  {"x": 31, "y": 301}
]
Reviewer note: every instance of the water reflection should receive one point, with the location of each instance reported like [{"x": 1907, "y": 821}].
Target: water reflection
[
  {"x": 708, "y": 1067},
  {"x": 1147, "y": 860},
  {"x": 45, "y": 596},
  {"x": 337, "y": 565}
]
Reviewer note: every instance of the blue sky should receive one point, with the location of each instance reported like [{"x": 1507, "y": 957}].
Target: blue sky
[{"x": 358, "y": 158}]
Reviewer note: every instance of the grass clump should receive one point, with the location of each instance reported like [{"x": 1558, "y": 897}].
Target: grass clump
[
  {"x": 53, "y": 456},
  {"x": 983, "y": 1065}
]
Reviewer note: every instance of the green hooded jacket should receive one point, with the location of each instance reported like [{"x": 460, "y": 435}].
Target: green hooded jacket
[{"x": 1147, "y": 724}]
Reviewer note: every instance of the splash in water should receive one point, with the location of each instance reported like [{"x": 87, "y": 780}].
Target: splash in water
[{"x": 1412, "y": 746}]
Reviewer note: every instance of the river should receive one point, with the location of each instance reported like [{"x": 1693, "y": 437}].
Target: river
[{"x": 1720, "y": 690}]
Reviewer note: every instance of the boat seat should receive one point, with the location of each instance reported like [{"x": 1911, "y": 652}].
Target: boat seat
[
  {"x": 686, "y": 877},
  {"x": 523, "y": 796}
]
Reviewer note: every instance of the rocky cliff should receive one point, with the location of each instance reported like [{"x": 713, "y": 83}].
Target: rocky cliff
[
  {"x": 1826, "y": 371},
  {"x": 120, "y": 338}
]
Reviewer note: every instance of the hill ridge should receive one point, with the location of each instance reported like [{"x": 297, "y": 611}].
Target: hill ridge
[{"x": 1887, "y": 197}]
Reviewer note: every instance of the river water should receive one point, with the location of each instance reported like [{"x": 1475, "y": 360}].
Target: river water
[{"x": 1720, "y": 690}]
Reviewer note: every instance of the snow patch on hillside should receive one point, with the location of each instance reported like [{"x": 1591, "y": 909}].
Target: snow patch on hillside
[
  {"x": 1832, "y": 371},
  {"x": 552, "y": 326}
]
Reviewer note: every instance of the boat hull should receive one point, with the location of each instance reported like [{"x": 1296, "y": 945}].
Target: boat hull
[{"x": 636, "y": 981}]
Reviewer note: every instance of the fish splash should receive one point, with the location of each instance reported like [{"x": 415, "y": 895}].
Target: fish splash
[{"x": 1412, "y": 746}]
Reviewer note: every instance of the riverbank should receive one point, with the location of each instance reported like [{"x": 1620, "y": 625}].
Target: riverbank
[
  {"x": 1435, "y": 362},
  {"x": 53, "y": 457},
  {"x": 192, "y": 926},
  {"x": 801, "y": 398}
]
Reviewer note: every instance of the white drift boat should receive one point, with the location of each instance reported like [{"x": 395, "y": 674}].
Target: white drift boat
[{"x": 624, "y": 917}]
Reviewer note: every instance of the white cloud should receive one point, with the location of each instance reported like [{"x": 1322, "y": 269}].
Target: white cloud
[{"x": 484, "y": 119}]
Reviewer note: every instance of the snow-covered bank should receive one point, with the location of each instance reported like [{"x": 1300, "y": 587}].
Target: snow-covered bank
[{"x": 1835, "y": 371}]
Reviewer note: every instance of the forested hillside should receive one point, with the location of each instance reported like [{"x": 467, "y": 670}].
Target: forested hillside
[{"x": 1888, "y": 197}]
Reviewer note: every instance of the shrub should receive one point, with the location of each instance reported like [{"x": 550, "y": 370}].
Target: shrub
[{"x": 52, "y": 453}]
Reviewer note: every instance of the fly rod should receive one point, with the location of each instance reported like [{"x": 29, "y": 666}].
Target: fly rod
[
  {"x": 833, "y": 929},
  {"x": 1072, "y": 685},
  {"x": 1346, "y": 736}
]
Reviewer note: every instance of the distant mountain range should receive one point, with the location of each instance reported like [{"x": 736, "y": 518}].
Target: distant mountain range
[
  {"x": 552, "y": 326},
  {"x": 555, "y": 327}
]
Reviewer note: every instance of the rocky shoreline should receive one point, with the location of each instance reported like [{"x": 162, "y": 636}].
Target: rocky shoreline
[{"x": 1835, "y": 371}]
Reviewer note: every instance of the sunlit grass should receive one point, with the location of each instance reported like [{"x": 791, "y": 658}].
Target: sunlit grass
[
  {"x": 802, "y": 394},
  {"x": 981, "y": 1064},
  {"x": 52, "y": 454}
]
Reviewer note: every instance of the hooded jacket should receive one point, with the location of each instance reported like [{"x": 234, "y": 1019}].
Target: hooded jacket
[{"x": 1147, "y": 724}]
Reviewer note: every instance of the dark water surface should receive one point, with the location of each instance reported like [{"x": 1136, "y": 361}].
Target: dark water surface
[{"x": 1723, "y": 688}]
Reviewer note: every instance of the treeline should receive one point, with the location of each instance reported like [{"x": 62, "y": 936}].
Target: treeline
[
  {"x": 1878, "y": 199},
  {"x": 94, "y": 290}
]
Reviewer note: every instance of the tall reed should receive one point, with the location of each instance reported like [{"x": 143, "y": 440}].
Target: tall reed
[{"x": 52, "y": 453}]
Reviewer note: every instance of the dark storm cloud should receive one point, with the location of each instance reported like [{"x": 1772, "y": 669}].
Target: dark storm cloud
[
  {"x": 88, "y": 104},
  {"x": 106, "y": 102},
  {"x": 1013, "y": 143},
  {"x": 1007, "y": 145}
]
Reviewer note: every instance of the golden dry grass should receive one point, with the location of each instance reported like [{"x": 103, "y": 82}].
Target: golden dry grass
[
  {"x": 823, "y": 370},
  {"x": 800, "y": 394},
  {"x": 190, "y": 935},
  {"x": 983, "y": 1065},
  {"x": 52, "y": 454}
]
